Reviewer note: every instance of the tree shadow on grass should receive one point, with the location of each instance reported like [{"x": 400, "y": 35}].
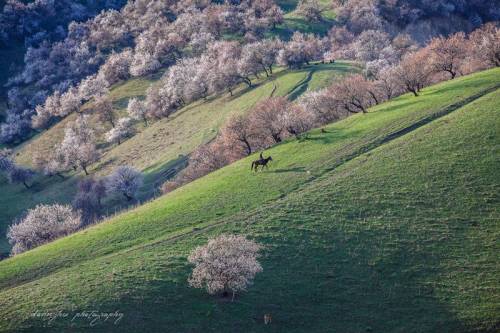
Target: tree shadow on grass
[
  {"x": 330, "y": 135},
  {"x": 286, "y": 170},
  {"x": 313, "y": 281}
]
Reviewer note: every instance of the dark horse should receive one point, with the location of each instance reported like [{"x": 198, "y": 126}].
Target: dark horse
[{"x": 262, "y": 162}]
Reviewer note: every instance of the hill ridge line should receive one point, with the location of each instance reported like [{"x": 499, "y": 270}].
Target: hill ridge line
[
  {"x": 418, "y": 124},
  {"x": 362, "y": 150}
]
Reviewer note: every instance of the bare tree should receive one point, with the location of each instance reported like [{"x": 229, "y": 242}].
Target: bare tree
[
  {"x": 205, "y": 159},
  {"x": 227, "y": 264}
]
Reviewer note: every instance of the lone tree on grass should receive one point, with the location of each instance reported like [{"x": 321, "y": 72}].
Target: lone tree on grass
[{"x": 227, "y": 264}]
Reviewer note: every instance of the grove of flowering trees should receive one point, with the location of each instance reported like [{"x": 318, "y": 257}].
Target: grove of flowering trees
[
  {"x": 271, "y": 121},
  {"x": 135, "y": 40},
  {"x": 89, "y": 52}
]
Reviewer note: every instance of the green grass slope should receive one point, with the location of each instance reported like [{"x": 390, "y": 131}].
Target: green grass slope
[
  {"x": 293, "y": 21},
  {"x": 388, "y": 222},
  {"x": 158, "y": 148}
]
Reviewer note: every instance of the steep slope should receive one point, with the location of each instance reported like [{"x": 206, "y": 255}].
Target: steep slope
[
  {"x": 158, "y": 149},
  {"x": 387, "y": 222}
]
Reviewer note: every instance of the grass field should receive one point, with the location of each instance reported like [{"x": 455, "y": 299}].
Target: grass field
[
  {"x": 388, "y": 222},
  {"x": 158, "y": 148}
]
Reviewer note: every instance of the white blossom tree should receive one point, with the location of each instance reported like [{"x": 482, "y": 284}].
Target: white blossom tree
[
  {"x": 126, "y": 181},
  {"x": 117, "y": 66},
  {"x": 486, "y": 42},
  {"x": 302, "y": 48},
  {"x": 41, "y": 225},
  {"x": 137, "y": 110},
  {"x": 227, "y": 264},
  {"x": 121, "y": 131},
  {"x": 78, "y": 148}
]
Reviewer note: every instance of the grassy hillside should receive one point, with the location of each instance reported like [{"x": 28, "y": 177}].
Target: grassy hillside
[
  {"x": 388, "y": 222},
  {"x": 295, "y": 22},
  {"x": 158, "y": 148}
]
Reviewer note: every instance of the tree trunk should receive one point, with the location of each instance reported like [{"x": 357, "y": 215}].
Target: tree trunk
[
  {"x": 85, "y": 170},
  {"x": 374, "y": 97},
  {"x": 249, "y": 148},
  {"x": 26, "y": 185},
  {"x": 265, "y": 71},
  {"x": 129, "y": 198}
]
